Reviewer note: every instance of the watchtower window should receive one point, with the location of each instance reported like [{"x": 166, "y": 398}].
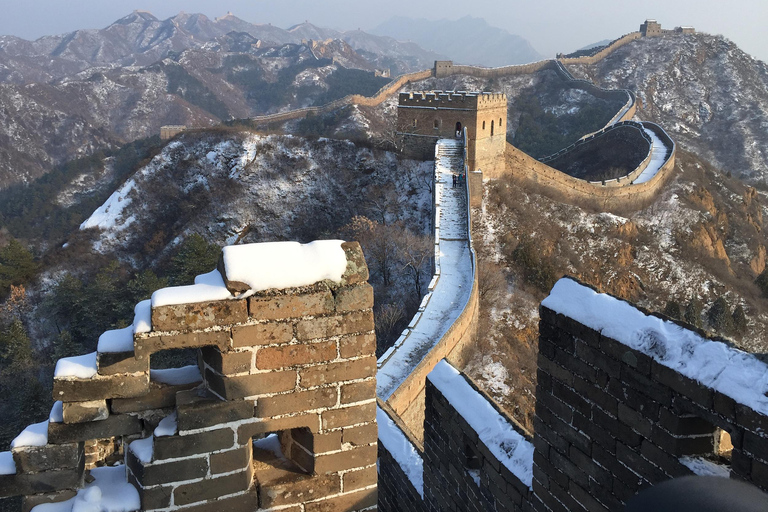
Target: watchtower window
[
  {"x": 491, "y": 127},
  {"x": 499, "y": 122},
  {"x": 702, "y": 447},
  {"x": 483, "y": 125},
  {"x": 458, "y": 127},
  {"x": 414, "y": 123},
  {"x": 437, "y": 124}
]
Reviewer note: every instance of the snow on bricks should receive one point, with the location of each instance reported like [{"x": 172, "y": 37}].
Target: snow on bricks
[{"x": 286, "y": 346}]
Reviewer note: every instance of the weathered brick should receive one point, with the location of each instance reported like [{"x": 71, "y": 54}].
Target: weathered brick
[
  {"x": 232, "y": 460},
  {"x": 243, "y": 502},
  {"x": 115, "y": 425},
  {"x": 360, "y": 435},
  {"x": 45, "y": 482},
  {"x": 348, "y": 416},
  {"x": 358, "y": 391},
  {"x": 201, "y": 315},
  {"x": 154, "y": 497},
  {"x": 227, "y": 362},
  {"x": 241, "y": 386},
  {"x": 327, "y": 326},
  {"x": 212, "y": 488},
  {"x": 172, "y": 447},
  {"x": 357, "y": 345},
  {"x": 111, "y": 363},
  {"x": 635, "y": 420},
  {"x": 756, "y": 445},
  {"x": 685, "y": 386},
  {"x": 82, "y": 412},
  {"x": 166, "y": 472},
  {"x": 337, "y": 372},
  {"x": 272, "y": 358},
  {"x": 254, "y": 428},
  {"x": 147, "y": 345},
  {"x": 357, "y": 270},
  {"x": 101, "y": 387},
  {"x": 198, "y": 408},
  {"x": 585, "y": 499},
  {"x": 291, "y": 306},
  {"x": 30, "y": 502},
  {"x": 357, "y": 500},
  {"x": 296, "y": 490},
  {"x": 160, "y": 396},
  {"x": 301, "y": 401},
  {"x": 352, "y": 298},
  {"x": 34, "y": 459},
  {"x": 261, "y": 334},
  {"x": 317, "y": 443},
  {"x": 639, "y": 464}
]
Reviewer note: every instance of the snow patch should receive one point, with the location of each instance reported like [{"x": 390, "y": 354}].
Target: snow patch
[
  {"x": 7, "y": 465},
  {"x": 142, "y": 449},
  {"x": 207, "y": 287},
  {"x": 176, "y": 376},
  {"x": 117, "y": 340},
  {"x": 168, "y": 426},
  {"x": 109, "y": 492},
  {"x": 284, "y": 264},
  {"x": 142, "y": 317},
  {"x": 704, "y": 467},
  {"x": 34, "y": 435},
  {"x": 77, "y": 367},
  {"x": 57, "y": 412}
]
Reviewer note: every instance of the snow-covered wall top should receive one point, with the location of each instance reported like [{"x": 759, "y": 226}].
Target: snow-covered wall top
[
  {"x": 493, "y": 429},
  {"x": 737, "y": 374}
]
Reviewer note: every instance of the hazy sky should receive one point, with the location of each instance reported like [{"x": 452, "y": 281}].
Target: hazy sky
[{"x": 550, "y": 25}]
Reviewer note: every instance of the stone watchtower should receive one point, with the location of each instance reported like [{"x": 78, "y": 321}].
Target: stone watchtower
[
  {"x": 425, "y": 117},
  {"x": 651, "y": 28},
  {"x": 286, "y": 347}
]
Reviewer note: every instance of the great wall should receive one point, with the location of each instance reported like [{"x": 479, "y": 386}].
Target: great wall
[{"x": 626, "y": 399}]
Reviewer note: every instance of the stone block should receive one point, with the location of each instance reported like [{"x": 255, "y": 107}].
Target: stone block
[
  {"x": 228, "y": 362},
  {"x": 357, "y": 270},
  {"x": 317, "y": 443},
  {"x": 248, "y": 430},
  {"x": 147, "y": 345},
  {"x": 280, "y": 307},
  {"x": 212, "y": 488},
  {"x": 154, "y": 497},
  {"x": 357, "y": 345},
  {"x": 35, "y": 459},
  {"x": 44, "y": 482},
  {"x": 290, "y": 491},
  {"x": 166, "y": 472},
  {"x": 241, "y": 386},
  {"x": 160, "y": 396},
  {"x": 689, "y": 388},
  {"x": 337, "y": 325},
  {"x": 273, "y": 358},
  {"x": 176, "y": 446},
  {"x": 199, "y": 408},
  {"x": 83, "y": 412},
  {"x": 349, "y": 416},
  {"x": 301, "y": 401},
  {"x": 100, "y": 387},
  {"x": 201, "y": 315},
  {"x": 347, "y": 502},
  {"x": 231, "y": 460},
  {"x": 114, "y": 426},
  {"x": 358, "y": 391},
  {"x": 271, "y": 333},
  {"x": 337, "y": 372},
  {"x": 111, "y": 363},
  {"x": 30, "y": 502},
  {"x": 241, "y": 503},
  {"x": 354, "y": 298}
]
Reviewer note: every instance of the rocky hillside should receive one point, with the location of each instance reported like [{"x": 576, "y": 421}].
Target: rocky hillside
[
  {"x": 66, "y": 96},
  {"x": 707, "y": 93}
]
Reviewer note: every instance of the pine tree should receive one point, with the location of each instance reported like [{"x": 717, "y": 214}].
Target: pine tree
[
  {"x": 719, "y": 316},
  {"x": 693, "y": 312},
  {"x": 672, "y": 310},
  {"x": 195, "y": 257}
]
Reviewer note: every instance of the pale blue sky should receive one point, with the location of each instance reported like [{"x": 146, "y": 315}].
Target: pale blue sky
[{"x": 550, "y": 25}]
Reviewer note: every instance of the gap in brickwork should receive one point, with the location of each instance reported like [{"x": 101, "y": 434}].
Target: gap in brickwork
[{"x": 173, "y": 358}]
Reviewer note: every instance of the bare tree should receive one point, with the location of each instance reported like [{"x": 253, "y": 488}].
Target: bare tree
[{"x": 415, "y": 252}]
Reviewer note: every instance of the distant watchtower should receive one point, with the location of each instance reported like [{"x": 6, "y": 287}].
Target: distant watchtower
[
  {"x": 425, "y": 117},
  {"x": 651, "y": 28}
]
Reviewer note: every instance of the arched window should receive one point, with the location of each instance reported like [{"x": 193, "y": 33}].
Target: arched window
[{"x": 491, "y": 128}]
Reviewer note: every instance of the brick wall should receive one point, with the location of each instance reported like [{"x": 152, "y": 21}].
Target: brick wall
[
  {"x": 611, "y": 421},
  {"x": 297, "y": 362}
]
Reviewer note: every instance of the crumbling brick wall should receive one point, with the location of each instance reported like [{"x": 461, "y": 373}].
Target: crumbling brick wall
[{"x": 297, "y": 362}]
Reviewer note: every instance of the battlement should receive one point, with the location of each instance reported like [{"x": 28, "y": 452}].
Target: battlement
[{"x": 452, "y": 99}]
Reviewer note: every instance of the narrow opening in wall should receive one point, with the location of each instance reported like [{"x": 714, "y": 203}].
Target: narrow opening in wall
[
  {"x": 285, "y": 455},
  {"x": 483, "y": 125},
  {"x": 704, "y": 448},
  {"x": 472, "y": 460},
  {"x": 491, "y": 127},
  {"x": 173, "y": 358},
  {"x": 437, "y": 124},
  {"x": 414, "y": 123}
]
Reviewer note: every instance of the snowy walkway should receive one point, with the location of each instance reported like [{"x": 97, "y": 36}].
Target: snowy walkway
[
  {"x": 450, "y": 293},
  {"x": 658, "y": 158}
]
